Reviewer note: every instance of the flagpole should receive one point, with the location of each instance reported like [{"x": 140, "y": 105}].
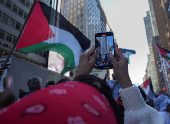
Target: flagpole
[{"x": 18, "y": 36}]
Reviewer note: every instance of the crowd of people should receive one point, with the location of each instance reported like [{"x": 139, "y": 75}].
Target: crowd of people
[{"x": 85, "y": 99}]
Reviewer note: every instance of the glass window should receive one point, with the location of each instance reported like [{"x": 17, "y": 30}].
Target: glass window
[
  {"x": 73, "y": 20},
  {"x": 82, "y": 15},
  {"x": 15, "y": 9},
  {"x": 18, "y": 26},
  {"x": 73, "y": 14},
  {"x": 2, "y": 34},
  {"x": 23, "y": 1},
  {"x": 2, "y": 1},
  {"x": 5, "y": 19},
  {"x": 8, "y": 4},
  {"x": 78, "y": 1},
  {"x": 81, "y": 9},
  {"x": 78, "y": 6},
  {"x": 82, "y": 21},
  {"x": 77, "y": 22},
  {"x": 28, "y": 4},
  {"x": 78, "y": 12},
  {"x": 25, "y": 16},
  {"x": 81, "y": 26},
  {"x": 40, "y": 53},
  {"x": 70, "y": 16},
  {"x": 70, "y": 21},
  {"x": 20, "y": 13},
  {"x": 9, "y": 38},
  {"x": 74, "y": 9},
  {"x": 14, "y": 40},
  {"x": 70, "y": 11},
  {"x": 78, "y": 17},
  {"x": 12, "y": 23},
  {"x": 81, "y": 4}
]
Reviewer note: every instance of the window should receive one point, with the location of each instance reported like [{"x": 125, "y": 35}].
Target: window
[
  {"x": 14, "y": 40},
  {"x": 8, "y": 4},
  {"x": 78, "y": 6},
  {"x": 73, "y": 14},
  {"x": 70, "y": 16},
  {"x": 73, "y": 20},
  {"x": 25, "y": 16},
  {"x": 81, "y": 4},
  {"x": 74, "y": 9},
  {"x": 82, "y": 15},
  {"x": 20, "y": 13},
  {"x": 82, "y": 21},
  {"x": 81, "y": 26},
  {"x": 77, "y": 17},
  {"x": 81, "y": 9},
  {"x": 70, "y": 21},
  {"x": 12, "y": 23},
  {"x": 9, "y": 38},
  {"x": 28, "y": 4},
  {"x": 5, "y": 19},
  {"x": 15, "y": 9},
  {"x": 2, "y": 34},
  {"x": 78, "y": 12},
  {"x": 77, "y": 22},
  {"x": 70, "y": 11},
  {"x": 2, "y": 1},
  {"x": 18, "y": 26},
  {"x": 23, "y": 1}
]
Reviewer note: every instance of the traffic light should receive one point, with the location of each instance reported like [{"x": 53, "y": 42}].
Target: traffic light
[{"x": 164, "y": 88}]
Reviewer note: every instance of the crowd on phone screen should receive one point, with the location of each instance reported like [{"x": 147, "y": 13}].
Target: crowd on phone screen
[{"x": 85, "y": 99}]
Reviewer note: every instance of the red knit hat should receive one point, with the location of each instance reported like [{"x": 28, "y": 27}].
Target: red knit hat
[{"x": 65, "y": 103}]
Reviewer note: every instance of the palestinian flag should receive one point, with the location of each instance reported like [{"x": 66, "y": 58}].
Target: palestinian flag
[
  {"x": 63, "y": 38},
  {"x": 167, "y": 63},
  {"x": 147, "y": 88},
  {"x": 165, "y": 53},
  {"x": 127, "y": 53}
]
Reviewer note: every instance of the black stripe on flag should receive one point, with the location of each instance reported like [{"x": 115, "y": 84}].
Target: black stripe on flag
[
  {"x": 64, "y": 24},
  {"x": 127, "y": 50},
  {"x": 167, "y": 51}
]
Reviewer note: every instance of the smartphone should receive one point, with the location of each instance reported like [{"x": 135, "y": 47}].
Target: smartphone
[{"x": 104, "y": 43}]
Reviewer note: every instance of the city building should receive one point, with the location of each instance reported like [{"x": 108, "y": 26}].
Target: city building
[
  {"x": 152, "y": 66},
  {"x": 88, "y": 16},
  {"x": 13, "y": 14}
]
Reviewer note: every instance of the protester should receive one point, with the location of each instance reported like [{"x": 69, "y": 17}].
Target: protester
[
  {"x": 115, "y": 86},
  {"x": 50, "y": 83},
  {"x": 22, "y": 93},
  {"x": 34, "y": 84},
  {"x": 89, "y": 101},
  {"x": 7, "y": 98}
]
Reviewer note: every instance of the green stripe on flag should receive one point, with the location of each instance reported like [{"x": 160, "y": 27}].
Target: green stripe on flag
[{"x": 60, "y": 48}]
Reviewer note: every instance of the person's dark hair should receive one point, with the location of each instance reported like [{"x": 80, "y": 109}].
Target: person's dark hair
[
  {"x": 7, "y": 98},
  {"x": 33, "y": 81},
  {"x": 104, "y": 88},
  {"x": 21, "y": 93}
]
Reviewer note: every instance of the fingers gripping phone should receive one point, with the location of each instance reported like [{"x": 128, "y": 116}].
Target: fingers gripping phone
[{"x": 104, "y": 43}]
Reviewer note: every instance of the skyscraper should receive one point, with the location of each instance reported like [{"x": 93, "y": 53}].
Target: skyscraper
[
  {"x": 152, "y": 67},
  {"x": 13, "y": 14}
]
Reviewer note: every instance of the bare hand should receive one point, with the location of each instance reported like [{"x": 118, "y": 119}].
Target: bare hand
[
  {"x": 120, "y": 66},
  {"x": 87, "y": 62}
]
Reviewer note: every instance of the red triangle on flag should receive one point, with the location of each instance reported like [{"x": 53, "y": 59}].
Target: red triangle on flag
[
  {"x": 36, "y": 30},
  {"x": 145, "y": 84}
]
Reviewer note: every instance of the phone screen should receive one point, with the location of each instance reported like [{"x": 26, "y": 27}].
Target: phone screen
[{"x": 104, "y": 46}]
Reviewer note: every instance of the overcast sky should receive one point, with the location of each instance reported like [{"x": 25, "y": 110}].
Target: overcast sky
[{"x": 125, "y": 17}]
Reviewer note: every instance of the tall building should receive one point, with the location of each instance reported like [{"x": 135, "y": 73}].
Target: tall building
[
  {"x": 13, "y": 14},
  {"x": 152, "y": 66},
  {"x": 161, "y": 10},
  {"x": 88, "y": 16}
]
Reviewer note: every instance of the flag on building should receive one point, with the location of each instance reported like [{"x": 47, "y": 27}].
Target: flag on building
[
  {"x": 147, "y": 88},
  {"x": 164, "y": 53},
  {"x": 127, "y": 53},
  {"x": 63, "y": 38},
  {"x": 167, "y": 63}
]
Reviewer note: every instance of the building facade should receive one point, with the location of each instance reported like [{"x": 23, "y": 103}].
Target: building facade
[
  {"x": 13, "y": 14},
  {"x": 152, "y": 66}
]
